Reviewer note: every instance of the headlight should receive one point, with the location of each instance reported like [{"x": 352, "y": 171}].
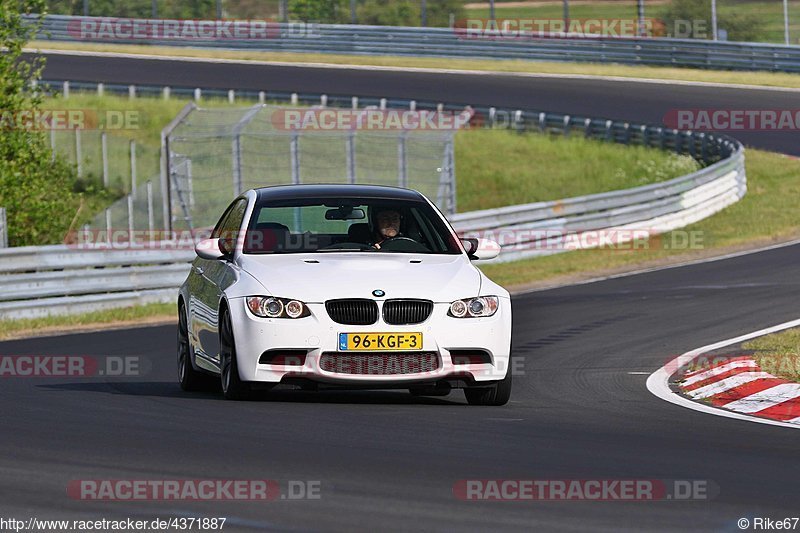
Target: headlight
[
  {"x": 272, "y": 307},
  {"x": 474, "y": 307}
]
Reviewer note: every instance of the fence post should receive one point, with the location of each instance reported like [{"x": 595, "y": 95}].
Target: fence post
[
  {"x": 108, "y": 225},
  {"x": 78, "y": 154},
  {"x": 262, "y": 97},
  {"x": 197, "y": 94},
  {"x": 354, "y": 102},
  {"x": 350, "y": 146},
  {"x": 53, "y": 144},
  {"x": 451, "y": 175},
  {"x": 100, "y": 89},
  {"x": 65, "y": 90},
  {"x": 294, "y": 153},
  {"x": 131, "y": 91},
  {"x": 130, "y": 218},
  {"x": 133, "y": 167},
  {"x": 236, "y": 157},
  {"x": 402, "y": 170},
  {"x": 294, "y": 150},
  {"x": 3, "y": 228},
  {"x": 231, "y": 96},
  {"x": 150, "y": 218},
  {"x": 190, "y": 184},
  {"x": 104, "y": 149}
]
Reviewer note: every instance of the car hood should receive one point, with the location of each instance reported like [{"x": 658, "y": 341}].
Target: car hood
[{"x": 440, "y": 278}]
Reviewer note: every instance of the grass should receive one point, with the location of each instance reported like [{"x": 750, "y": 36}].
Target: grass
[
  {"x": 496, "y": 168},
  {"x": 766, "y": 79},
  {"x": 778, "y": 353},
  {"x": 765, "y": 215},
  {"x": 125, "y": 315},
  {"x": 151, "y": 115}
]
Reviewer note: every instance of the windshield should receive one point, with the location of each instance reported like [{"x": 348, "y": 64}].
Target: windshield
[{"x": 329, "y": 225}]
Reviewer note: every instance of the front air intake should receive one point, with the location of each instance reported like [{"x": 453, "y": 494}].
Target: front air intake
[
  {"x": 401, "y": 312},
  {"x": 357, "y": 312}
]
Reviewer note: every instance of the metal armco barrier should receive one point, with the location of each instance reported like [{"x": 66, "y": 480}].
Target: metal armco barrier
[
  {"x": 50, "y": 280},
  {"x": 444, "y": 42},
  {"x": 36, "y": 281}
]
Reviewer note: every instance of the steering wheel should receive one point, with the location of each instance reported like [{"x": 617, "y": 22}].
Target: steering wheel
[{"x": 403, "y": 243}]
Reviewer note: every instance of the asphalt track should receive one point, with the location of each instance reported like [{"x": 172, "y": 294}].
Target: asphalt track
[{"x": 387, "y": 460}]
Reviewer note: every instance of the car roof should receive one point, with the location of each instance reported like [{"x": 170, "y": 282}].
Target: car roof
[{"x": 310, "y": 191}]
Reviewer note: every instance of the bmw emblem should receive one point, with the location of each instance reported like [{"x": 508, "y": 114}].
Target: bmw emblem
[{"x": 378, "y": 293}]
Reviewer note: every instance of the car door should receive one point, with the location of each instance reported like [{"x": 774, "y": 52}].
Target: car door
[{"x": 218, "y": 275}]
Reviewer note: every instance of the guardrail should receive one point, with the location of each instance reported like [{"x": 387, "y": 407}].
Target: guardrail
[
  {"x": 36, "y": 281},
  {"x": 41, "y": 280},
  {"x": 447, "y": 43}
]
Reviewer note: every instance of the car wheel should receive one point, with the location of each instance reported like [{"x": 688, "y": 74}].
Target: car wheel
[
  {"x": 189, "y": 378},
  {"x": 233, "y": 388},
  {"x": 497, "y": 394}
]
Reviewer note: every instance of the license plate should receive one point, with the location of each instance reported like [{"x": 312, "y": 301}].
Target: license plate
[{"x": 381, "y": 342}]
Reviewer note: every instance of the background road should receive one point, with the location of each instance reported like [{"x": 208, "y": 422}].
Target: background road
[
  {"x": 387, "y": 459},
  {"x": 634, "y": 101}
]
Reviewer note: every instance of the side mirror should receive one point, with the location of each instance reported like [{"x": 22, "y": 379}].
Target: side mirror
[
  {"x": 209, "y": 249},
  {"x": 481, "y": 249}
]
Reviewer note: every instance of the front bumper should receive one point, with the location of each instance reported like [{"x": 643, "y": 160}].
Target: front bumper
[{"x": 318, "y": 334}]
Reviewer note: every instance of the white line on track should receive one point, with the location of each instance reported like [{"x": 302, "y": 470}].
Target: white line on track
[
  {"x": 658, "y": 382},
  {"x": 467, "y": 72}
]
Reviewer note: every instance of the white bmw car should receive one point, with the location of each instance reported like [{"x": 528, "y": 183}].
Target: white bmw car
[{"x": 348, "y": 286}]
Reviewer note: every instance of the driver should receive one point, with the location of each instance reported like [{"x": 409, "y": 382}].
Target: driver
[{"x": 388, "y": 226}]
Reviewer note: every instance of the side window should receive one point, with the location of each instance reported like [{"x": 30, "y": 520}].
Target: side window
[{"x": 229, "y": 225}]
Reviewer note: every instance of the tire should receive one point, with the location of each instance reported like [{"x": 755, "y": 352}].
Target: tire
[
  {"x": 189, "y": 378},
  {"x": 497, "y": 394},
  {"x": 233, "y": 388}
]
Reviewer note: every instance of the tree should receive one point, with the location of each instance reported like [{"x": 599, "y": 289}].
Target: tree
[
  {"x": 390, "y": 13},
  {"x": 33, "y": 188},
  {"x": 324, "y": 11},
  {"x": 692, "y": 19}
]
